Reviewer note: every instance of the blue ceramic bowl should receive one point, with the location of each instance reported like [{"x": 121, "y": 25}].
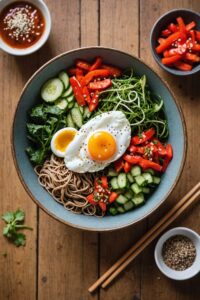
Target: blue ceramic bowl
[
  {"x": 188, "y": 16},
  {"x": 30, "y": 96}
]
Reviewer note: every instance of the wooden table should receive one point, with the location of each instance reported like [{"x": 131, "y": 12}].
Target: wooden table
[{"x": 60, "y": 262}]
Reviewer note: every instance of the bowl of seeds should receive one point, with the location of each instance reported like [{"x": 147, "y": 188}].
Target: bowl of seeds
[{"x": 177, "y": 253}]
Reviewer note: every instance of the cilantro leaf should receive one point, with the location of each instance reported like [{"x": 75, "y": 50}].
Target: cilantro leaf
[
  {"x": 19, "y": 215},
  {"x": 19, "y": 239},
  {"x": 8, "y": 216}
]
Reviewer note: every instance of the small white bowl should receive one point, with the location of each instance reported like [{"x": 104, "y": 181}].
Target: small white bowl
[
  {"x": 170, "y": 273},
  {"x": 20, "y": 52}
]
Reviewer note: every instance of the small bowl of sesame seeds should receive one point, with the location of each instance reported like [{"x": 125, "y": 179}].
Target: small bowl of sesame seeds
[
  {"x": 175, "y": 43},
  {"x": 24, "y": 26},
  {"x": 177, "y": 253}
]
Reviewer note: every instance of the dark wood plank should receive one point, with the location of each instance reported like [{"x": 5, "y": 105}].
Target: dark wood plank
[
  {"x": 17, "y": 265},
  {"x": 119, "y": 29},
  {"x": 68, "y": 258},
  {"x": 154, "y": 284}
]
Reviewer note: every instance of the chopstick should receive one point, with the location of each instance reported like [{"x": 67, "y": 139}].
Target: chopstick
[{"x": 137, "y": 248}]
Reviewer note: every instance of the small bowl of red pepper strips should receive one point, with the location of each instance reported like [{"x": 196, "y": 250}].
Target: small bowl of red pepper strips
[{"x": 175, "y": 42}]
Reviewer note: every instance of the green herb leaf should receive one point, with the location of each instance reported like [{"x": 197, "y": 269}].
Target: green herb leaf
[
  {"x": 8, "y": 216},
  {"x": 19, "y": 215},
  {"x": 19, "y": 239}
]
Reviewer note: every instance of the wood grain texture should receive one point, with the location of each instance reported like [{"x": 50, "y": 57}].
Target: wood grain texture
[
  {"x": 187, "y": 93},
  {"x": 68, "y": 258}
]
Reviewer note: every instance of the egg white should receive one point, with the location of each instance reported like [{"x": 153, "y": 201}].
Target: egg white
[{"x": 77, "y": 158}]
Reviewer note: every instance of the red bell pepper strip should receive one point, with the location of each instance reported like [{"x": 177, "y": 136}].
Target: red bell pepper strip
[
  {"x": 79, "y": 74},
  {"x": 100, "y": 85},
  {"x": 119, "y": 164},
  {"x": 168, "y": 157},
  {"x": 197, "y": 33},
  {"x": 71, "y": 71},
  {"x": 94, "y": 101},
  {"x": 168, "y": 41},
  {"x": 97, "y": 64},
  {"x": 127, "y": 167},
  {"x": 83, "y": 65},
  {"x": 190, "y": 26},
  {"x": 132, "y": 159},
  {"x": 113, "y": 196},
  {"x": 182, "y": 66},
  {"x": 114, "y": 71},
  {"x": 104, "y": 182},
  {"x": 86, "y": 94},
  {"x": 166, "y": 32},
  {"x": 77, "y": 89},
  {"x": 93, "y": 74},
  {"x": 172, "y": 27},
  {"x": 90, "y": 199},
  {"x": 145, "y": 136},
  {"x": 170, "y": 60},
  {"x": 160, "y": 147},
  {"x": 147, "y": 164}
]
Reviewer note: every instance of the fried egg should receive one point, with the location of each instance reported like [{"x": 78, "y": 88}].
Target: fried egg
[
  {"x": 61, "y": 140},
  {"x": 99, "y": 142}
]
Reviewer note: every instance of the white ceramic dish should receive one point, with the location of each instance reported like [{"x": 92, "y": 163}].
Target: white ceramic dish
[
  {"x": 20, "y": 52},
  {"x": 170, "y": 273}
]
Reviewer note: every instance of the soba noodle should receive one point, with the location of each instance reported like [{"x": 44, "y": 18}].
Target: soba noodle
[{"x": 66, "y": 187}]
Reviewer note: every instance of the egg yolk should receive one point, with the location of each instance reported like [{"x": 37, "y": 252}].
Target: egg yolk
[
  {"x": 64, "y": 139},
  {"x": 101, "y": 146}
]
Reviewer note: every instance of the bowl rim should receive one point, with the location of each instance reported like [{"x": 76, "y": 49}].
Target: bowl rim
[
  {"x": 185, "y": 231},
  {"x": 156, "y": 57},
  {"x": 29, "y": 191}
]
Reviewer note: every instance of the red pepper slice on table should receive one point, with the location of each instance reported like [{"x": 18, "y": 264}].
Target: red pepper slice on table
[
  {"x": 97, "y": 64},
  {"x": 83, "y": 65},
  {"x": 100, "y": 85},
  {"x": 77, "y": 89},
  {"x": 93, "y": 74},
  {"x": 145, "y": 136}
]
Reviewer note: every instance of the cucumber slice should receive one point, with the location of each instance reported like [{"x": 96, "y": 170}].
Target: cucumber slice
[
  {"x": 136, "y": 188},
  {"x": 77, "y": 116},
  {"x": 64, "y": 78},
  {"x": 86, "y": 113},
  {"x": 79, "y": 107},
  {"x": 121, "y": 179},
  {"x": 140, "y": 180},
  {"x": 68, "y": 92},
  {"x": 156, "y": 179},
  {"x": 121, "y": 199},
  {"x": 136, "y": 171},
  {"x": 114, "y": 183},
  {"x": 150, "y": 171},
  {"x": 52, "y": 90},
  {"x": 128, "y": 206},
  {"x": 138, "y": 199},
  {"x": 61, "y": 103},
  {"x": 120, "y": 209},
  {"x": 129, "y": 195},
  {"x": 112, "y": 172},
  {"x": 71, "y": 104},
  {"x": 70, "y": 98},
  {"x": 130, "y": 178},
  {"x": 113, "y": 211},
  {"x": 148, "y": 177},
  {"x": 146, "y": 190},
  {"x": 70, "y": 122}
]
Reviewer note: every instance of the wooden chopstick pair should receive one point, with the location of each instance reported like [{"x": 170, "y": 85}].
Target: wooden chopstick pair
[{"x": 190, "y": 198}]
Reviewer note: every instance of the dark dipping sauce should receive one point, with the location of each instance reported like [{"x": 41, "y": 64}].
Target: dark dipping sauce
[{"x": 21, "y": 25}]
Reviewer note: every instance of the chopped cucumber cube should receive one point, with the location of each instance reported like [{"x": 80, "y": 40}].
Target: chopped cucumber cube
[
  {"x": 146, "y": 190},
  {"x": 136, "y": 171},
  {"x": 150, "y": 171},
  {"x": 136, "y": 188},
  {"x": 140, "y": 180},
  {"x": 130, "y": 178},
  {"x": 129, "y": 195},
  {"x": 120, "y": 209},
  {"x": 128, "y": 206},
  {"x": 148, "y": 177},
  {"x": 156, "y": 179},
  {"x": 122, "y": 180},
  {"x": 114, "y": 183},
  {"x": 121, "y": 199},
  {"x": 138, "y": 199},
  {"x": 113, "y": 211}
]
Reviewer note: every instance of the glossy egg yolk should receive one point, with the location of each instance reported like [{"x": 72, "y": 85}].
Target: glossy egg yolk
[
  {"x": 101, "y": 146},
  {"x": 63, "y": 139}
]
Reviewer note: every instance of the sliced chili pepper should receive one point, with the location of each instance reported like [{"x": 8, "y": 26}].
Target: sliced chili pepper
[
  {"x": 172, "y": 27},
  {"x": 86, "y": 94},
  {"x": 145, "y": 136},
  {"x": 114, "y": 71},
  {"x": 161, "y": 40},
  {"x": 77, "y": 89},
  {"x": 170, "y": 60},
  {"x": 168, "y": 157},
  {"x": 94, "y": 101},
  {"x": 197, "y": 33},
  {"x": 102, "y": 205},
  {"x": 100, "y": 85},
  {"x": 147, "y": 164},
  {"x": 113, "y": 196},
  {"x": 119, "y": 164},
  {"x": 127, "y": 167},
  {"x": 72, "y": 71},
  {"x": 190, "y": 26},
  {"x": 104, "y": 182},
  {"x": 196, "y": 47},
  {"x": 160, "y": 147},
  {"x": 182, "y": 66},
  {"x": 79, "y": 74},
  {"x": 192, "y": 57},
  {"x": 192, "y": 35},
  {"x": 90, "y": 199},
  {"x": 83, "y": 65},
  {"x": 96, "y": 73},
  {"x": 97, "y": 64},
  {"x": 181, "y": 24},
  {"x": 166, "y": 32},
  {"x": 132, "y": 159},
  {"x": 168, "y": 41}
]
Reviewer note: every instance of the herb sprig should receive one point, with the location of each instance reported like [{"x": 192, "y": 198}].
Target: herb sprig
[{"x": 14, "y": 222}]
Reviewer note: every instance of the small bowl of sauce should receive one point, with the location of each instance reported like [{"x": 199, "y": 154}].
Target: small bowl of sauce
[{"x": 24, "y": 26}]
